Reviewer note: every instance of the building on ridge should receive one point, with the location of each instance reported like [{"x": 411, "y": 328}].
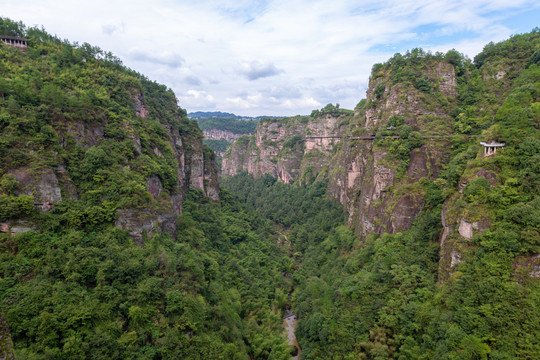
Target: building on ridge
[
  {"x": 490, "y": 148},
  {"x": 14, "y": 41}
]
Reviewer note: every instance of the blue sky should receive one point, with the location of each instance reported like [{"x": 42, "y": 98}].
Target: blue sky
[{"x": 274, "y": 57}]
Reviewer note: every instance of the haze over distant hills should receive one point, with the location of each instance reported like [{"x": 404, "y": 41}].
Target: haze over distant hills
[{"x": 223, "y": 115}]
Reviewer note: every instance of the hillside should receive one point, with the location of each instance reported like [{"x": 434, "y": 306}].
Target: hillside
[
  {"x": 389, "y": 230},
  {"x": 220, "y": 133},
  {"x": 221, "y": 129},
  {"x": 114, "y": 240},
  {"x": 448, "y": 258}
]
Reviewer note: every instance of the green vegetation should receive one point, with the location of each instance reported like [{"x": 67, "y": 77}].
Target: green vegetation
[
  {"x": 71, "y": 293},
  {"x": 231, "y": 124},
  {"x": 76, "y": 286},
  {"x": 288, "y": 206},
  {"x": 332, "y": 110},
  {"x": 58, "y": 99},
  {"x": 396, "y": 296},
  {"x": 408, "y": 67},
  {"x": 218, "y": 146}
]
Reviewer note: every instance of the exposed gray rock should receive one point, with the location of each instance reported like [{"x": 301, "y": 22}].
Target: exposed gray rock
[
  {"x": 145, "y": 222},
  {"x": 527, "y": 266},
  {"x": 467, "y": 229},
  {"x": 17, "y": 227},
  {"x": 406, "y": 210},
  {"x": 455, "y": 258},
  {"x": 154, "y": 187},
  {"x": 217, "y": 134},
  {"x": 42, "y": 185},
  {"x": 85, "y": 135},
  {"x": 140, "y": 108}
]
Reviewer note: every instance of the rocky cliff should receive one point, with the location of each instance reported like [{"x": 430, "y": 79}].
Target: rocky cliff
[
  {"x": 97, "y": 134},
  {"x": 289, "y": 149},
  {"x": 381, "y": 182},
  {"x": 375, "y": 158},
  {"x": 218, "y": 134}
]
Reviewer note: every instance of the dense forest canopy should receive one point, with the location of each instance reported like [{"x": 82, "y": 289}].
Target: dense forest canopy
[
  {"x": 76, "y": 285},
  {"x": 214, "y": 285},
  {"x": 231, "y": 124},
  {"x": 398, "y": 296}
]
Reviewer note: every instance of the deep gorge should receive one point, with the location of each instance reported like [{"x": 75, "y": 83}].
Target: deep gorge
[{"x": 386, "y": 229}]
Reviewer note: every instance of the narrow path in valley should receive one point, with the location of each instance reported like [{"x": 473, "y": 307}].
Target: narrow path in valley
[
  {"x": 289, "y": 323},
  {"x": 289, "y": 318}
]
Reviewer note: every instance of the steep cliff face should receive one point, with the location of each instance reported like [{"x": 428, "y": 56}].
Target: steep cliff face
[
  {"x": 218, "y": 134},
  {"x": 377, "y": 160},
  {"x": 381, "y": 182},
  {"x": 113, "y": 140},
  {"x": 287, "y": 148},
  {"x": 379, "y": 194}
]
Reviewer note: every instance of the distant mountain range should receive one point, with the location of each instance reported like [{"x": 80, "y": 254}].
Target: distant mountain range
[{"x": 197, "y": 115}]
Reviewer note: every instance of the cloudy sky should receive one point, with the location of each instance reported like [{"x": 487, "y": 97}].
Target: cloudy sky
[{"x": 272, "y": 57}]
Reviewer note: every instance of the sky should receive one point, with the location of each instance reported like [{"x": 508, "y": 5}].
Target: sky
[{"x": 272, "y": 57}]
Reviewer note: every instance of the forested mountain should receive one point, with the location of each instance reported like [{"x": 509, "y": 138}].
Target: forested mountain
[
  {"x": 447, "y": 261},
  {"x": 232, "y": 125},
  {"x": 388, "y": 229},
  {"x": 114, "y": 242},
  {"x": 198, "y": 115},
  {"x": 220, "y": 133},
  {"x": 221, "y": 129}
]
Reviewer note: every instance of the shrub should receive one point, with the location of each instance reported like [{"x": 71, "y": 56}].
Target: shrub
[
  {"x": 423, "y": 84},
  {"x": 379, "y": 90},
  {"x": 476, "y": 189},
  {"x": 396, "y": 120},
  {"x": 8, "y": 184}
]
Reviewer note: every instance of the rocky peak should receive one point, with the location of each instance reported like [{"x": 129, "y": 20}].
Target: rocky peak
[
  {"x": 411, "y": 98},
  {"x": 379, "y": 189}
]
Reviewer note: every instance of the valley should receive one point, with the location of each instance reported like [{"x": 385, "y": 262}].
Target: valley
[{"x": 405, "y": 228}]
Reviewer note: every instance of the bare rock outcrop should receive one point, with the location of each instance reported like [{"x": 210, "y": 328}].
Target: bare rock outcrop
[
  {"x": 218, "y": 134},
  {"x": 42, "y": 185},
  {"x": 284, "y": 148},
  {"x": 363, "y": 173},
  {"x": 145, "y": 223},
  {"x": 527, "y": 266}
]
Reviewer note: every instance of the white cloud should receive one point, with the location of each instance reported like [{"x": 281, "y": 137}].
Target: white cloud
[
  {"x": 247, "y": 102},
  {"x": 280, "y": 54},
  {"x": 302, "y": 103},
  {"x": 197, "y": 99},
  {"x": 162, "y": 58},
  {"x": 110, "y": 29},
  {"x": 258, "y": 69}
]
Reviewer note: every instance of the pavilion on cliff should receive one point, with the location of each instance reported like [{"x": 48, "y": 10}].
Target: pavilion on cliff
[{"x": 490, "y": 148}]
